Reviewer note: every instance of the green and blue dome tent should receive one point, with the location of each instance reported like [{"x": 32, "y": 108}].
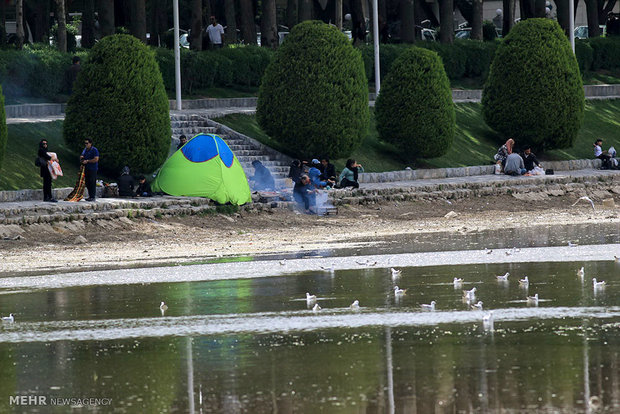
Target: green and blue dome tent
[{"x": 204, "y": 167}]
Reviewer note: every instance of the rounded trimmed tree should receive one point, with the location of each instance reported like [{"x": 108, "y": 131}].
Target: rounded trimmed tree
[
  {"x": 119, "y": 101},
  {"x": 534, "y": 92},
  {"x": 3, "y": 131},
  {"x": 313, "y": 96},
  {"x": 414, "y": 110}
]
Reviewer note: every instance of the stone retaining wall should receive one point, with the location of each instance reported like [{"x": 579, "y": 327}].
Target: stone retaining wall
[{"x": 32, "y": 194}]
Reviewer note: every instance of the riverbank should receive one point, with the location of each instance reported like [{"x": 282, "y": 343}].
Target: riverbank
[{"x": 141, "y": 242}]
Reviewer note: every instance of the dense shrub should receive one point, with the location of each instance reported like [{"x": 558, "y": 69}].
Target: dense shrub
[
  {"x": 534, "y": 92},
  {"x": 453, "y": 57},
  {"x": 488, "y": 31},
  {"x": 478, "y": 56},
  {"x": 414, "y": 110},
  {"x": 314, "y": 95},
  {"x": 584, "y": 54},
  {"x": 606, "y": 53},
  {"x": 3, "y": 130},
  {"x": 119, "y": 101}
]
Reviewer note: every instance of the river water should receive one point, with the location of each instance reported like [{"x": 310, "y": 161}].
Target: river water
[{"x": 241, "y": 337}]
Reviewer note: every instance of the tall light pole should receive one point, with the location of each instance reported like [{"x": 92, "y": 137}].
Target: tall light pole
[
  {"x": 571, "y": 23},
  {"x": 177, "y": 53},
  {"x": 375, "y": 36}
]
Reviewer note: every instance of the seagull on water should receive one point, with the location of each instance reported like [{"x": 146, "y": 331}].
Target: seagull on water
[
  {"x": 525, "y": 282},
  {"x": 282, "y": 262},
  {"x": 477, "y": 306},
  {"x": 310, "y": 299},
  {"x": 596, "y": 284},
  {"x": 399, "y": 292},
  {"x": 571, "y": 244},
  {"x": 430, "y": 307},
  {"x": 532, "y": 300},
  {"x": 163, "y": 307},
  {"x": 355, "y": 305},
  {"x": 328, "y": 269},
  {"x": 488, "y": 251},
  {"x": 458, "y": 282},
  {"x": 503, "y": 278},
  {"x": 585, "y": 198},
  {"x": 395, "y": 272},
  {"x": 316, "y": 308},
  {"x": 469, "y": 295},
  {"x": 581, "y": 272},
  {"x": 487, "y": 321},
  {"x": 10, "y": 318}
]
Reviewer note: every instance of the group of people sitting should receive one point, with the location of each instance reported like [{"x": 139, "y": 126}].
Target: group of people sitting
[
  {"x": 311, "y": 177},
  {"x": 513, "y": 163},
  {"x": 608, "y": 158},
  {"x": 127, "y": 186}
]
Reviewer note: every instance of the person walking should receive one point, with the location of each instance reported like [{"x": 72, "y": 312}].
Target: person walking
[
  {"x": 90, "y": 160},
  {"x": 215, "y": 32},
  {"x": 44, "y": 159}
]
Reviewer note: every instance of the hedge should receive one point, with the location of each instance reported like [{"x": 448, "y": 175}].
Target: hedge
[
  {"x": 120, "y": 102},
  {"x": 314, "y": 96},
  {"x": 414, "y": 110},
  {"x": 534, "y": 92},
  {"x": 3, "y": 130}
]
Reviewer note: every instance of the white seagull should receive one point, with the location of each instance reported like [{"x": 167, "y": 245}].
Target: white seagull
[
  {"x": 316, "y": 308},
  {"x": 395, "y": 272},
  {"x": 430, "y": 307},
  {"x": 585, "y": 198},
  {"x": 487, "y": 321},
  {"x": 503, "y": 278},
  {"x": 596, "y": 284},
  {"x": 310, "y": 299},
  {"x": 328, "y": 269},
  {"x": 399, "y": 292},
  {"x": 10, "y": 318},
  {"x": 532, "y": 300},
  {"x": 458, "y": 282},
  {"x": 469, "y": 295},
  {"x": 163, "y": 307},
  {"x": 477, "y": 306},
  {"x": 581, "y": 272},
  {"x": 524, "y": 282},
  {"x": 355, "y": 305},
  {"x": 571, "y": 244},
  {"x": 282, "y": 262}
]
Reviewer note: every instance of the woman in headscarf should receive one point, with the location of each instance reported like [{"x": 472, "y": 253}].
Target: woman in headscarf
[
  {"x": 263, "y": 180},
  {"x": 44, "y": 159},
  {"x": 504, "y": 151}
]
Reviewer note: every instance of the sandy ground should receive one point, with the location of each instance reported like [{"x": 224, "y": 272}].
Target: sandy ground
[{"x": 147, "y": 242}]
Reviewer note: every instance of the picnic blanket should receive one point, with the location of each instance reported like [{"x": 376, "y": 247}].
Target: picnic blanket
[{"x": 78, "y": 191}]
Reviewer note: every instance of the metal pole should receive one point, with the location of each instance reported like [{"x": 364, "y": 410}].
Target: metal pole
[
  {"x": 375, "y": 35},
  {"x": 571, "y": 23},
  {"x": 177, "y": 53}
]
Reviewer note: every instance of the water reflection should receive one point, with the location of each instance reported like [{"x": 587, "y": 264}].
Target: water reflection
[{"x": 252, "y": 345}]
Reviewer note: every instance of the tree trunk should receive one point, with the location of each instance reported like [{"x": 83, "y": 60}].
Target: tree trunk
[
  {"x": 19, "y": 23},
  {"x": 508, "y": 17},
  {"x": 231, "y": 22},
  {"x": 37, "y": 16},
  {"x": 540, "y": 8},
  {"x": 88, "y": 24},
  {"x": 195, "y": 38},
  {"x": 248, "y": 28},
  {"x": 407, "y": 21},
  {"x": 268, "y": 25},
  {"x": 138, "y": 19},
  {"x": 563, "y": 15},
  {"x": 476, "y": 20},
  {"x": 62, "y": 25},
  {"x": 291, "y": 13},
  {"x": 306, "y": 10},
  {"x": 338, "y": 14},
  {"x": 593, "y": 22},
  {"x": 106, "y": 17},
  {"x": 605, "y": 9},
  {"x": 446, "y": 21}
]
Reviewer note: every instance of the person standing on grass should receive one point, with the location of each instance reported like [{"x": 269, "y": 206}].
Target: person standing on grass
[
  {"x": 215, "y": 32},
  {"x": 90, "y": 160},
  {"x": 44, "y": 158}
]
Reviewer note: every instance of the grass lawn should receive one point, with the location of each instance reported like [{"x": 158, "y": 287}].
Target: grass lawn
[{"x": 474, "y": 142}]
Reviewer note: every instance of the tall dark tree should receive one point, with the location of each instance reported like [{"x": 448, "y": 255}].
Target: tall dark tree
[
  {"x": 106, "y": 17},
  {"x": 138, "y": 19},
  {"x": 476, "y": 20},
  {"x": 158, "y": 21},
  {"x": 37, "y": 14},
  {"x": 407, "y": 22},
  {"x": 195, "y": 39},
  {"x": 593, "y": 21},
  {"x": 62, "y": 25},
  {"x": 446, "y": 21},
  {"x": 305, "y": 10},
  {"x": 291, "y": 13},
  {"x": 88, "y": 24},
  {"x": 19, "y": 23},
  {"x": 248, "y": 28},
  {"x": 231, "y": 21},
  {"x": 268, "y": 25},
  {"x": 508, "y": 14}
]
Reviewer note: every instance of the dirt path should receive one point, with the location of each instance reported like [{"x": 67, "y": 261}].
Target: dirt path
[{"x": 146, "y": 242}]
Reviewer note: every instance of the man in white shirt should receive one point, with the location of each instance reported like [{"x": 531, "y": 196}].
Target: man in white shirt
[{"x": 215, "y": 32}]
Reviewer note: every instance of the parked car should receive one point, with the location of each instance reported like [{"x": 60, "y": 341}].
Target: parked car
[{"x": 581, "y": 32}]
